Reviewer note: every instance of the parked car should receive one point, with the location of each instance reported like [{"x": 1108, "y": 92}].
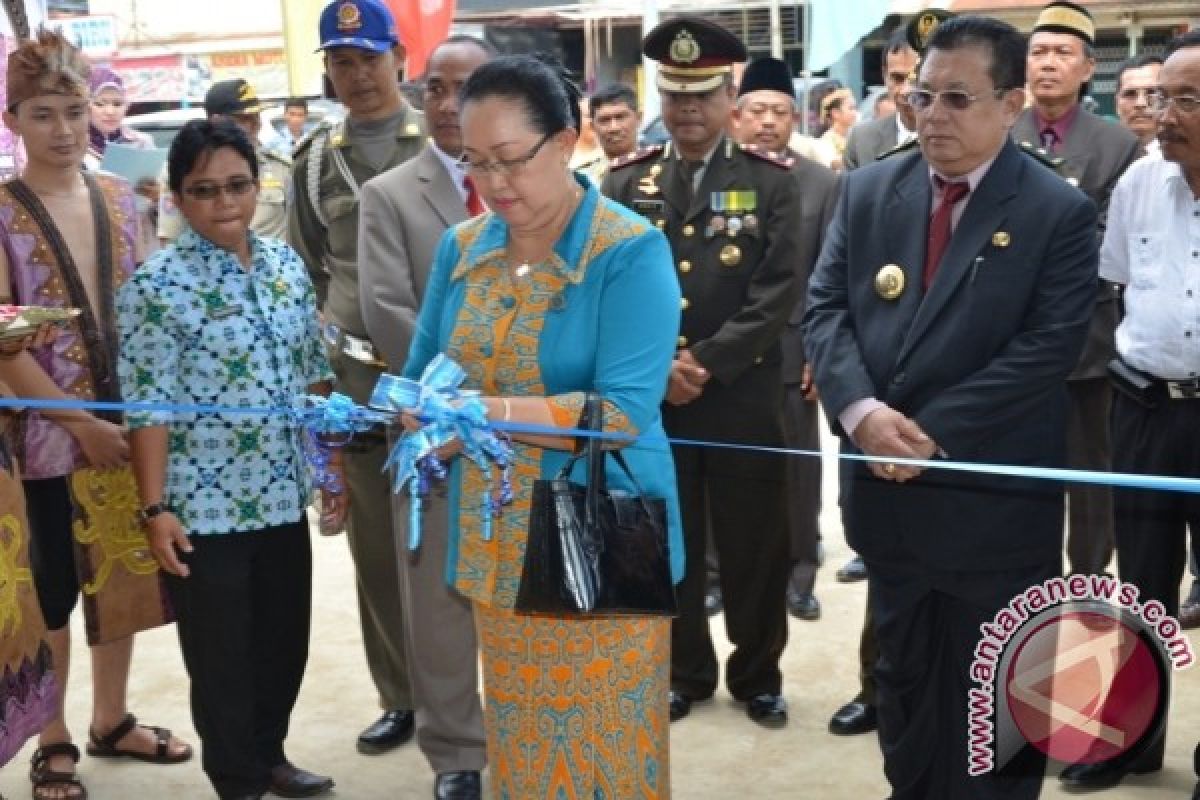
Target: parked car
[{"x": 163, "y": 126}]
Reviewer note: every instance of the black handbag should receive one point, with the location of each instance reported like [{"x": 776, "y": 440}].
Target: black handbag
[{"x": 591, "y": 550}]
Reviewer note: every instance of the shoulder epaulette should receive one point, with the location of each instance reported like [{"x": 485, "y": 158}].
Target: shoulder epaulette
[
  {"x": 1041, "y": 154},
  {"x": 322, "y": 127},
  {"x": 275, "y": 155},
  {"x": 900, "y": 148},
  {"x": 781, "y": 161},
  {"x": 636, "y": 157}
]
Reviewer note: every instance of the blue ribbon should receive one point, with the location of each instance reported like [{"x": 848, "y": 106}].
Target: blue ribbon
[
  {"x": 447, "y": 412},
  {"x": 300, "y": 413},
  {"x": 331, "y": 422}
]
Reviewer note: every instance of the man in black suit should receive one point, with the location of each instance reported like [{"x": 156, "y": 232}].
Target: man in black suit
[
  {"x": 949, "y": 303},
  {"x": 1095, "y": 153},
  {"x": 765, "y": 116}
]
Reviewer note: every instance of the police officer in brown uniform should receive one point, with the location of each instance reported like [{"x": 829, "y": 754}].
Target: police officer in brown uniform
[
  {"x": 362, "y": 58},
  {"x": 730, "y": 213}
]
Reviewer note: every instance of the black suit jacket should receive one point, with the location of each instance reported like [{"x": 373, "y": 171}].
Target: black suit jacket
[
  {"x": 818, "y": 196},
  {"x": 1095, "y": 155},
  {"x": 979, "y": 361}
]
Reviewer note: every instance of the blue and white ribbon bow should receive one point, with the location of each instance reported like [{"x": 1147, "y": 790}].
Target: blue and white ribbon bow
[
  {"x": 448, "y": 413},
  {"x": 331, "y": 422}
]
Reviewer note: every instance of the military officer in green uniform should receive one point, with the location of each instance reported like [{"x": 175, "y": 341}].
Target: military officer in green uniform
[
  {"x": 732, "y": 216},
  {"x": 237, "y": 101},
  {"x": 362, "y": 58}
]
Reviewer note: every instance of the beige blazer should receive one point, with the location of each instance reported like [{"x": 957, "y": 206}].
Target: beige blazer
[{"x": 402, "y": 215}]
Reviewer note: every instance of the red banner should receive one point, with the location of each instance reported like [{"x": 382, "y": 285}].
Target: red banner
[{"x": 422, "y": 25}]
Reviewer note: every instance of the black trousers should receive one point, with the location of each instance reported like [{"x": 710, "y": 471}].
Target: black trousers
[
  {"x": 927, "y": 625},
  {"x": 1151, "y": 526},
  {"x": 243, "y": 617},
  {"x": 800, "y": 432},
  {"x": 739, "y": 497},
  {"x": 1089, "y": 506}
]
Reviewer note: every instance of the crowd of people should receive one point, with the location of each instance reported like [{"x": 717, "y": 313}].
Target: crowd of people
[{"x": 991, "y": 274}]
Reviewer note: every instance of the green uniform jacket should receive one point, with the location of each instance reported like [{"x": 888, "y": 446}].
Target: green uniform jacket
[
  {"x": 328, "y": 240},
  {"x": 738, "y": 290}
]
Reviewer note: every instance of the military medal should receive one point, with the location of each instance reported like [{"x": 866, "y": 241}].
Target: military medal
[
  {"x": 731, "y": 255},
  {"x": 751, "y": 223},
  {"x": 733, "y": 226},
  {"x": 889, "y": 282},
  {"x": 646, "y": 185}
]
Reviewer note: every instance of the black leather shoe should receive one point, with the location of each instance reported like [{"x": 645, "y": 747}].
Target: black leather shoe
[
  {"x": 852, "y": 571},
  {"x": 681, "y": 705},
  {"x": 288, "y": 780},
  {"x": 458, "y": 786},
  {"x": 803, "y": 605},
  {"x": 853, "y": 718},
  {"x": 713, "y": 602},
  {"x": 1092, "y": 777},
  {"x": 768, "y": 710},
  {"x": 388, "y": 732}
]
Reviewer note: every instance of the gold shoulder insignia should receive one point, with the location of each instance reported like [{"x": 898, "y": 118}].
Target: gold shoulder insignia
[
  {"x": 900, "y": 148},
  {"x": 321, "y": 128},
  {"x": 636, "y": 157},
  {"x": 781, "y": 161},
  {"x": 1040, "y": 154}
]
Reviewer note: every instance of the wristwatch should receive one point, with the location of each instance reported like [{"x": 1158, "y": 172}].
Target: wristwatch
[{"x": 151, "y": 511}]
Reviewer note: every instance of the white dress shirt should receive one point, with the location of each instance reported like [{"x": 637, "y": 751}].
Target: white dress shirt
[
  {"x": 1152, "y": 248},
  {"x": 455, "y": 169}
]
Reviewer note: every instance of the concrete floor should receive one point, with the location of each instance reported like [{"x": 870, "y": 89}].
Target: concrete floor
[{"x": 717, "y": 754}]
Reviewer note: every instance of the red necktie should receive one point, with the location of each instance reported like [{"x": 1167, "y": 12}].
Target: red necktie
[
  {"x": 475, "y": 205},
  {"x": 940, "y": 225}
]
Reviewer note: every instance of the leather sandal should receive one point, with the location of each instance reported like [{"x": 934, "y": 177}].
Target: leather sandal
[
  {"x": 106, "y": 746},
  {"x": 49, "y": 784}
]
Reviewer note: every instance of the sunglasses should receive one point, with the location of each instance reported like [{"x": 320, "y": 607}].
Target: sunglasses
[{"x": 237, "y": 187}]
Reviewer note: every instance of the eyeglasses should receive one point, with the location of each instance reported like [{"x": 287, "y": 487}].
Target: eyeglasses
[
  {"x": 504, "y": 167},
  {"x": 1131, "y": 93},
  {"x": 953, "y": 99},
  {"x": 209, "y": 191},
  {"x": 1184, "y": 103}
]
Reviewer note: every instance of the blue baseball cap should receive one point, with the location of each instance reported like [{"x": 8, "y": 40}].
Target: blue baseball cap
[{"x": 365, "y": 24}]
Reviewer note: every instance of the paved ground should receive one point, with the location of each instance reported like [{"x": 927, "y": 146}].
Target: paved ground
[{"x": 717, "y": 753}]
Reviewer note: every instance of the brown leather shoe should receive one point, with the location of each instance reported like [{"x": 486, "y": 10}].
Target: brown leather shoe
[{"x": 288, "y": 780}]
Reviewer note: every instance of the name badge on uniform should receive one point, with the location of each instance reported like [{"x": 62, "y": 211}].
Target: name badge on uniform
[{"x": 646, "y": 207}]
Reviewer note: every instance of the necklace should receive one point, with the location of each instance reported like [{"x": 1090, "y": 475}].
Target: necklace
[{"x": 526, "y": 265}]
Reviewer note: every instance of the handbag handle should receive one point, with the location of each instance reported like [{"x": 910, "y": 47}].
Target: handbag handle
[{"x": 592, "y": 419}]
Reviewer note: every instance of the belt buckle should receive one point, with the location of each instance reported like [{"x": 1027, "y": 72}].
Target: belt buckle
[{"x": 1178, "y": 390}]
